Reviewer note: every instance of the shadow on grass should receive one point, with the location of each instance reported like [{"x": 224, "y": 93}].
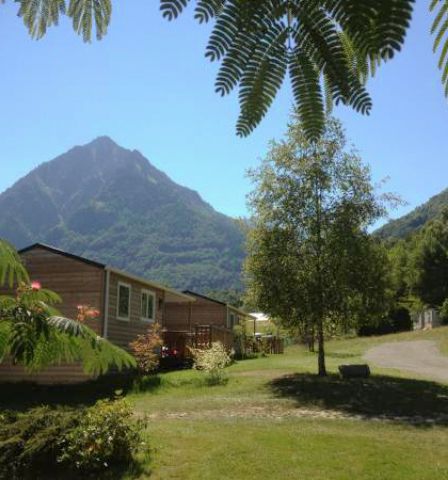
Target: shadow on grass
[
  {"x": 401, "y": 400},
  {"x": 25, "y": 395},
  {"x": 128, "y": 471}
]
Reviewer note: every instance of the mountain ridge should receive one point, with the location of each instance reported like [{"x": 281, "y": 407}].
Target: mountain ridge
[
  {"x": 111, "y": 204},
  {"x": 415, "y": 219}
]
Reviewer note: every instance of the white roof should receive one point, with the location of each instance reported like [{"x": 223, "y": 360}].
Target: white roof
[{"x": 260, "y": 317}]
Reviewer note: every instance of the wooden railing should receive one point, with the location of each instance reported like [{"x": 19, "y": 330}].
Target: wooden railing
[{"x": 204, "y": 335}]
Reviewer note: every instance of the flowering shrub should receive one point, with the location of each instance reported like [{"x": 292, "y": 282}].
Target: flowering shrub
[
  {"x": 85, "y": 312},
  {"x": 106, "y": 435},
  {"x": 212, "y": 361},
  {"x": 36, "y": 285},
  {"x": 147, "y": 349}
]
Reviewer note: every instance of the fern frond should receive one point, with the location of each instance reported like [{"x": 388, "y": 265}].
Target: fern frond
[
  {"x": 86, "y": 13},
  {"x": 171, "y": 9},
  {"x": 307, "y": 93},
  {"x": 11, "y": 268},
  {"x": 344, "y": 41},
  {"x": 439, "y": 28},
  {"x": 39, "y": 15}
]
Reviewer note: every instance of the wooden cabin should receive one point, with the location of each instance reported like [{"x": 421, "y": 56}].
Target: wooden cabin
[
  {"x": 185, "y": 317},
  {"x": 128, "y": 304}
]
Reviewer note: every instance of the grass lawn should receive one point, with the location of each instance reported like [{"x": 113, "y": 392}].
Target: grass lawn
[
  {"x": 275, "y": 420},
  {"x": 270, "y": 421}
]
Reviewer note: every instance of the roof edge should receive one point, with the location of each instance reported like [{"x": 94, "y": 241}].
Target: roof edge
[
  {"x": 59, "y": 251},
  {"x": 150, "y": 283},
  {"x": 229, "y": 305}
]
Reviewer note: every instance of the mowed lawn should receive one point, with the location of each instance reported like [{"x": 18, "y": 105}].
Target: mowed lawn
[{"x": 275, "y": 420}]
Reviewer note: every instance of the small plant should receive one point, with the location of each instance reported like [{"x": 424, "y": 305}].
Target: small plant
[
  {"x": 444, "y": 312},
  {"x": 106, "y": 435},
  {"x": 147, "y": 349},
  {"x": 212, "y": 361}
]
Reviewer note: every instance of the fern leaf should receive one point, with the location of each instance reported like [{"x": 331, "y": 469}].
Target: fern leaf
[
  {"x": 11, "y": 268},
  {"x": 439, "y": 28}
]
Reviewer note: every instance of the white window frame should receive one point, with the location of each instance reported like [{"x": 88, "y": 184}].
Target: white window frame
[
  {"x": 128, "y": 286},
  {"x": 152, "y": 294}
]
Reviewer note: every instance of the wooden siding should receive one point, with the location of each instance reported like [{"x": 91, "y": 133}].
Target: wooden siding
[
  {"x": 122, "y": 332},
  {"x": 54, "y": 375},
  {"x": 203, "y": 312},
  {"x": 78, "y": 283}
]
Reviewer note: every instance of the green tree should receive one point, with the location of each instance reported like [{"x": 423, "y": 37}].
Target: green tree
[
  {"x": 399, "y": 257},
  {"x": 430, "y": 262},
  {"x": 310, "y": 257},
  {"x": 34, "y": 334}
]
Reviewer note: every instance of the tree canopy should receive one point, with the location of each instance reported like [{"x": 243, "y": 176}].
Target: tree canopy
[
  {"x": 310, "y": 259},
  {"x": 328, "y": 48}
]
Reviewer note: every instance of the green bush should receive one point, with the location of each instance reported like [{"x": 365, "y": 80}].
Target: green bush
[
  {"x": 31, "y": 441},
  {"x": 105, "y": 435},
  {"x": 212, "y": 361},
  {"x": 86, "y": 439},
  {"x": 444, "y": 312}
]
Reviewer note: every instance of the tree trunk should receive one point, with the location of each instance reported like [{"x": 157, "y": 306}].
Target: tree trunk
[
  {"x": 321, "y": 354},
  {"x": 310, "y": 339}
]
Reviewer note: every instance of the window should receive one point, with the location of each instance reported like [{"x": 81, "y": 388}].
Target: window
[
  {"x": 124, "y": 301},
  {"x": 148, "y": 305},
  {"x": 231, "y": 320}
]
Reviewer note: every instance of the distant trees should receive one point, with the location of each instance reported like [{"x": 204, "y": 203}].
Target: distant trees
[
  {"x": 430, "y": 262},
  {"x": 311, "y": 261},
  {"x": 328, "y": 48},
  {"x": 419, "y": 267}
]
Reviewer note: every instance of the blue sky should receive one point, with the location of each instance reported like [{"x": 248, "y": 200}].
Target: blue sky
[{"x": 148, "y": 86}]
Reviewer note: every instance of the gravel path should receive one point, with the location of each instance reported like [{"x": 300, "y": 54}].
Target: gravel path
[{"x": 421, "y": 357}]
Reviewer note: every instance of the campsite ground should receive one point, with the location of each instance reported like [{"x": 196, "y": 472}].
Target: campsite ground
[{"x": 274, "y": 419}]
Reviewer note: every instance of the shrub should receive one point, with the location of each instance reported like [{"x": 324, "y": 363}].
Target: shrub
[
  {"x": 147, "y": 349},
  {"x": 444, "y": 312},
  {"x": 398, "y": 320},
  {"x": 212, "y": 361},
  {"x": 106, "y": 435},
  {"x": 31, "y": 441},
  {"x": 85, "y": 439}
]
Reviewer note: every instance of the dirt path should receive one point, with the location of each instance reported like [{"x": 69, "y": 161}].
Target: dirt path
[{"x": 421, "y": 357}]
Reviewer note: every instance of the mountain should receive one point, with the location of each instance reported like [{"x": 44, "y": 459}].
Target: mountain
[
  {"x": 110, "y": 204},
  {"x": 408, "y": 224}
]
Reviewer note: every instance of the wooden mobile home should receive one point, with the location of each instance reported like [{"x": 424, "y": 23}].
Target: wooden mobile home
[
  {"x": 180, "y": 316},
  {"x": 128, "y": 304}
]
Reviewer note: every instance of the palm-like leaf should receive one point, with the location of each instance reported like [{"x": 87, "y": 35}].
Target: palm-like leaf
[
  {"x": 11, "y": 267},
  {"x": 39, "y": 15},
  {"x": 335, "y": 43},
  {"x": 258, "y": 41},
  {"x": 439, "y": 29}
]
